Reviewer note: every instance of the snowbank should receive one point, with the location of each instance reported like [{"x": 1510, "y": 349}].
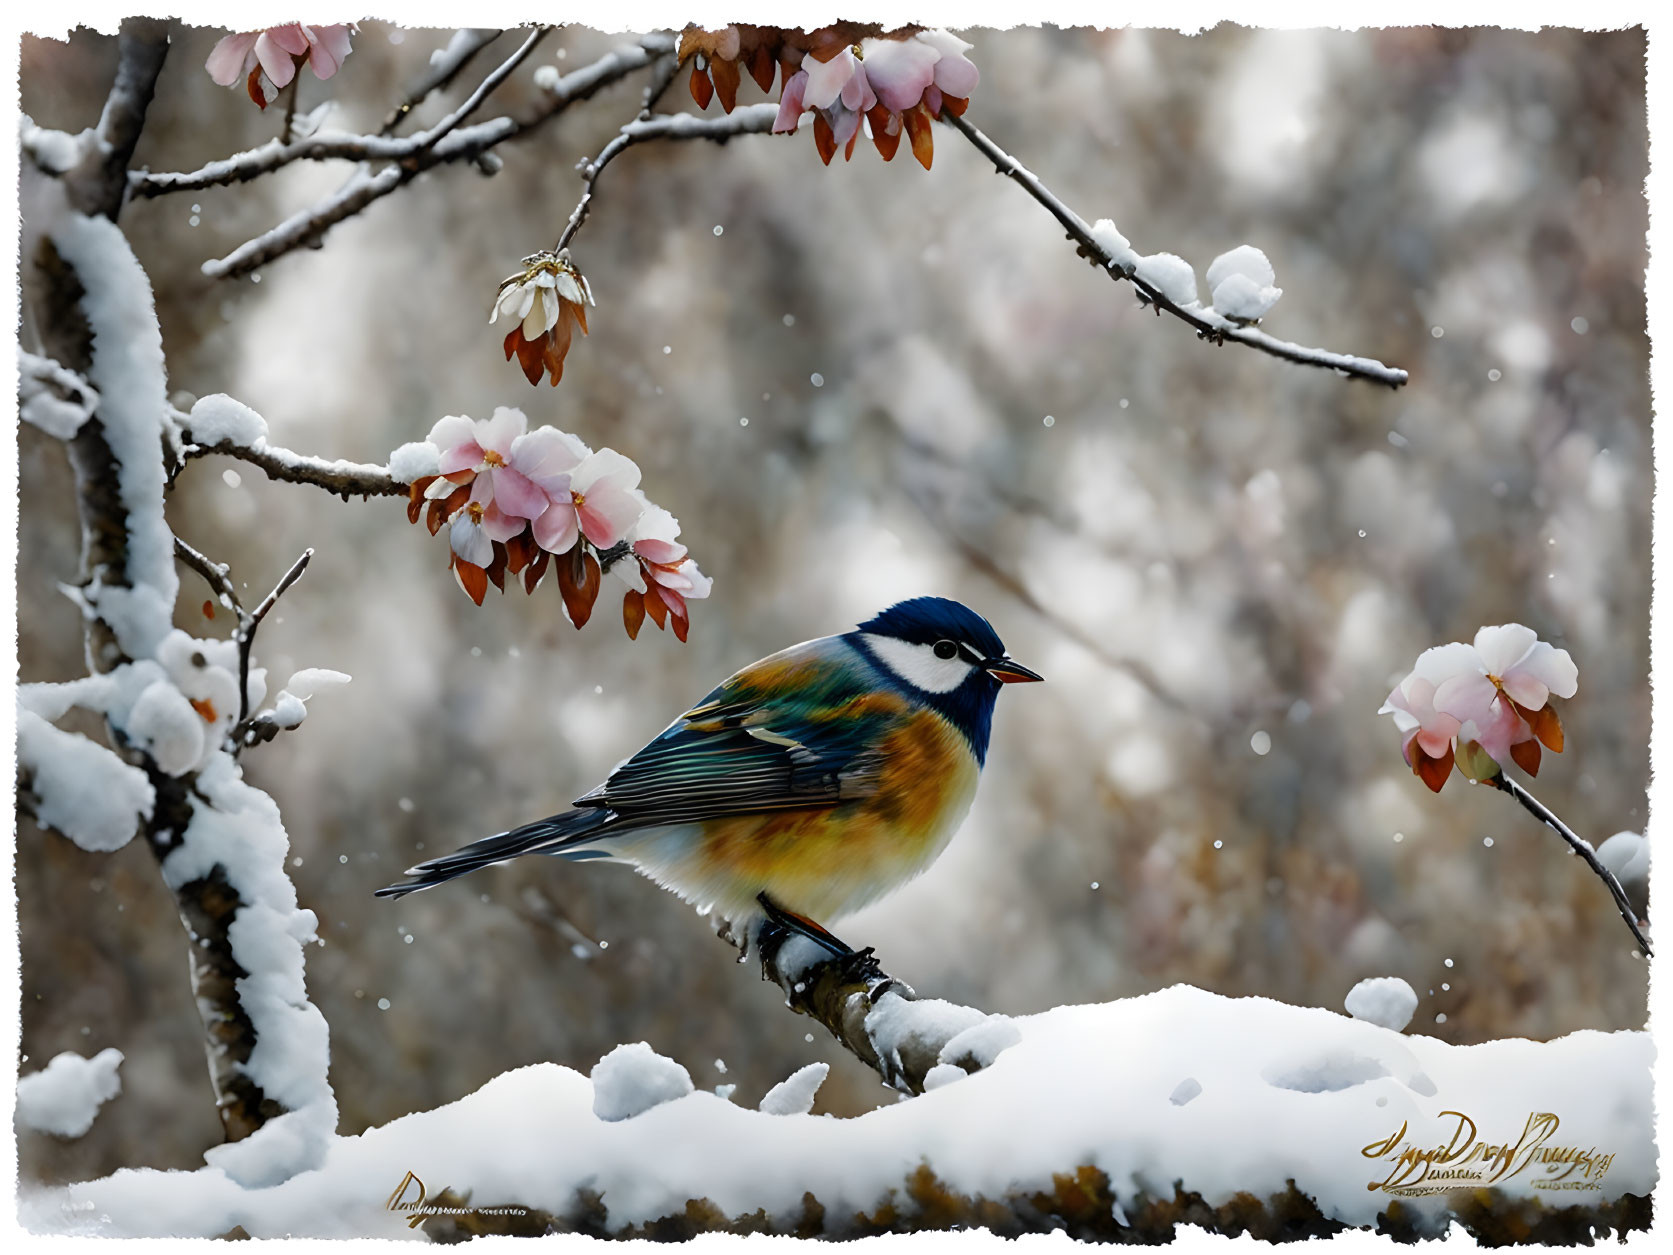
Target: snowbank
[{"x": 1219, "y": 1095}]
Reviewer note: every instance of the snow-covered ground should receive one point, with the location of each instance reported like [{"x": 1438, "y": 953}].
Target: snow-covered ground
[{"x": 1216, "y": 1094}]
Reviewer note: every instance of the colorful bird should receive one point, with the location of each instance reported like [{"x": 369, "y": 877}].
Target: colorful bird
[{"x": 808, "y": 785}]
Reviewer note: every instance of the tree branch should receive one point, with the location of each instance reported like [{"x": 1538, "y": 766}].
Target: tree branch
[
  {"x": 443, "y": 69},
  {"x": 1208, "y": 324},
  {"x": 878, "y": 1019},
  {"x": 345, "y": 479},
  {"x": 97, "y": 183},
  {"x": 1541, "y": 812},
  {"x": 409, "y": 157},
  {"x": 752, "y": 120}
]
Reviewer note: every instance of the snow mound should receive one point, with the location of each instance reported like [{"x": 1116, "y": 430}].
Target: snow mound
[
  {"x": 82, "y": 789},
  {"x": 415, "y": 461},
  {"x": 1241, "y": 282},
  {"x": 1385, "y": 1000},
  {"x": 1171, "y": 275},
  {"x": 632, "y": 1079},
  {"x": 1097, "y": 1086},
  {"x": 1627, "y": 855},
  {"x": 794, "y": 1095},
  {"x": 219, "y": 419},
  {"x": 1108, "y": 238},
  {"x": 65, "y": 1096}
]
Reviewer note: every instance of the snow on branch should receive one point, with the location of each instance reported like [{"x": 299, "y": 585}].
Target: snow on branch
[
  {"x": 171, "y": 702},
  {"x": 219, "y": 424},
  {"x": 409, "y": 158},
  {"x": 446, "y": 64},
  {"x": 913, "y": 1044},
  {"x": 51, "y": 397},
  {"x": 1109, "y": 251}
]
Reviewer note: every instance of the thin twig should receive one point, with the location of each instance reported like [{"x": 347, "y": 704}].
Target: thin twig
[
  {"x": 467, "y": 144},
  {"x": 290, "y": 110},
  {"x": 214, "y": 574},
  {"x": 754, "y": 120},
  {"x": 662, "y": 75},
  {"x": 443, "y": 69},
  {"x": 1209, "y": 325},
  {"x": 431, "y": 137},
  {"x": 246, "y": 636},
  {"x": 1539, "y": 811}
]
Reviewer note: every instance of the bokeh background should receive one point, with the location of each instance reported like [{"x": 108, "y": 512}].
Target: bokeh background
[{"x": 1220, "y": 561}]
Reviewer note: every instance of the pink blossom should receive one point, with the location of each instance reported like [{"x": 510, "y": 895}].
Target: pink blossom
[
  {"x": 955, "y": 74},
  {"x": 277, "y": 51},
  {"x": 481, "y": 522},
  {"x": 791, "y": 103},
  {"x": 843, "y": 78},
  {"x": 603, "y": 504},
  {"x": 662, "y": 560},
  {"x": 1413, "y": 706},
  {"x": 488, "y": 453},
  {"x": 1513, "y": 676},
  {"x": 899, "y": 70}
]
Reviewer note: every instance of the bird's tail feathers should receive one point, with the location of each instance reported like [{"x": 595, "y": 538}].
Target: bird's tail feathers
[{"x": 560, "y": 835}]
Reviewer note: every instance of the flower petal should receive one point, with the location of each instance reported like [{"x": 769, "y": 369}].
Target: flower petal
[
  {"x": 557, "y": 528},
  {"x": 606, "y": 464},
  {"x": 607, "y": 512},
  {"x": 516, "y": 494},
  {"x": 226, "y": 62},
  {"x": 498, "y": 432},
  {"x": 470, "y": 542},
  {"x": 1501, "y": 648}
]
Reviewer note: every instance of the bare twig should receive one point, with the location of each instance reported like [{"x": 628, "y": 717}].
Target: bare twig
[
  {"x": 443, "y": 69},
  {"x": 1541, "y": 812},
  {"x": 410, "y": 157},
  {"x": 662, "y": 76},
  {"x": 214, "y": 574},
  {"x": 754, "y": 120},
  {"x": 1209, "y": 325},
  {"x": 246, "y": 637},
  {"x": 290, "y": 110}
]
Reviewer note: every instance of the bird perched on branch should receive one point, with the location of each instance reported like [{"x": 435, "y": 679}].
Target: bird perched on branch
[{"x": 806, "y": 786}]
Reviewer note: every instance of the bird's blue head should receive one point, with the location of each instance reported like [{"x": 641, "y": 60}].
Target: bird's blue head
[{"x": 945, "y": 655}]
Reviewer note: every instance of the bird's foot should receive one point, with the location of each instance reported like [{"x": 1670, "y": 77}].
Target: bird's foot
[{"x": 861, "y": 967}]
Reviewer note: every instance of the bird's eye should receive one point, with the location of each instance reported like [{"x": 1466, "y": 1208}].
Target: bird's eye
[{"x": 945, "y": 649}]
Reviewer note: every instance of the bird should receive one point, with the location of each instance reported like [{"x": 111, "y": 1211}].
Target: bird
[{"x": 807, "y": 785}]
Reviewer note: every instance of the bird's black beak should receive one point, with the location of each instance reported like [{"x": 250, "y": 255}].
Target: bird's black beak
[{"x": 1008, "y": 672}]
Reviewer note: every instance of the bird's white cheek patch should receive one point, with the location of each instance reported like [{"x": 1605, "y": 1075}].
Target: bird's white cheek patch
[{"x": 918, "y": 665}]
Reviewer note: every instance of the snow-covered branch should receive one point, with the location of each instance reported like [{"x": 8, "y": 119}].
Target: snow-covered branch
[
  {"x": 170, "y": 702},
  {"x": 51, "y": 397},
  {"x": 446, "y": 64},
  {"x": 1208, "y": 323},
  {"x": 913, "y": 1044},
  {"x": 755, "y": 120},
  {"x": 219, "y": 424},
  {"x": 442, "y": 144}
]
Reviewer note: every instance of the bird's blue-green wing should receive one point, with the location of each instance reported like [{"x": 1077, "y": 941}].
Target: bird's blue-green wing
[{"x": 797, "y": 730}]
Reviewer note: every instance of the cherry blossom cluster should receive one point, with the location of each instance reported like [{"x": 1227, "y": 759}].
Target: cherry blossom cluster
[
  {"x": 547, "y": 299},
  {"x": 518, "y": 502},
  {"x": 268, "y": 60},
  {"x": 895, "y": 83},
  {"x": 1481, "y": 705}
]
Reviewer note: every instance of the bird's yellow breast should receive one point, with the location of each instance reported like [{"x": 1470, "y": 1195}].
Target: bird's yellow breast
[{"x": 831, "y": 861}]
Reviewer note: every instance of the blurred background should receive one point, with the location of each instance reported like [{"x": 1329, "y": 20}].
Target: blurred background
[{"x": 1221, "y": 562}]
